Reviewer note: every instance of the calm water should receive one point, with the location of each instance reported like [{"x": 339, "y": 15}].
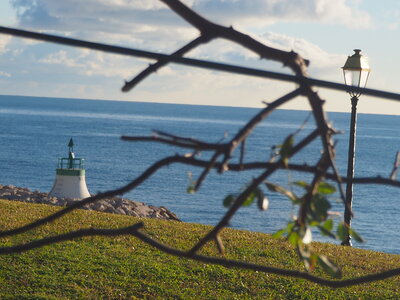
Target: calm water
[{"x": 34, "y": 132}]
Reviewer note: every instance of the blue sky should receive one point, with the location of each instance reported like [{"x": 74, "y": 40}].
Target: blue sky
[{"x": 323, "y": 31}]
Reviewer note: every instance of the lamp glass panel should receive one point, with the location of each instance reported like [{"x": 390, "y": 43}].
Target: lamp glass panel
[
  {"x": 352, "y": 77},
  {"x": 364, "y": 78}
]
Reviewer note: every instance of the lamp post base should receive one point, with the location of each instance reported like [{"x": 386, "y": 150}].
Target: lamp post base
[{"x": 347, "y": 243}]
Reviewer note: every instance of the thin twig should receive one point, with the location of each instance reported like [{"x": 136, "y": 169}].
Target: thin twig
[
  {"x": 196, "y": 145},
  {"x": 242, "y": 151},
  {"x": 206, "y": 170},
  {"x": 204, "y": 38},
  {"x": 396, "y": 164}
]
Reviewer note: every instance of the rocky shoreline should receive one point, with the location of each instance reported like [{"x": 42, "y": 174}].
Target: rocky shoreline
[{"x": 114, "y": 205}]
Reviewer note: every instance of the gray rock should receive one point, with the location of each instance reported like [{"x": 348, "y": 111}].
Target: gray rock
[
  {"x": 115, "y": 205},
  {"x": 120, "y": 211}
]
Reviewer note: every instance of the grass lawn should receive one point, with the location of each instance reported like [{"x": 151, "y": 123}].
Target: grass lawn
[{"x": 124, "y": 267}]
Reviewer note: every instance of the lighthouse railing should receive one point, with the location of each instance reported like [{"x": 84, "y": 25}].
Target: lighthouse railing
[{"x": 67, "y": 163}]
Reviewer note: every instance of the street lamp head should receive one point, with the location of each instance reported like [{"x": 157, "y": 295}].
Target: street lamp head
[{"x": 356, "y": 71}]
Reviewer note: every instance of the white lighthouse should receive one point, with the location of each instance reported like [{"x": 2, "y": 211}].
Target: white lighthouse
[{"x": 70, "y": 177}]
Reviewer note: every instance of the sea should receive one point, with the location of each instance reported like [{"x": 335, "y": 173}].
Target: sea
[{"x": 34, "y": 133}]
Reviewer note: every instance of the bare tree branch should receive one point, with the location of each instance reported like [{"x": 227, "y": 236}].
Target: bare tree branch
[
  {"x": 70, "y": 236},
  {"x": 135, "y": 231},
  {"x": 266, "y": 269}
]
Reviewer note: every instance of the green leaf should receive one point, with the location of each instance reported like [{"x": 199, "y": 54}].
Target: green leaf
[
  {"x": 313, "y": 260},
  {"x": 190, "y": 189},
  {"x": 302, "y": 184},
  {"x": 229, "y": 200},
  {"x": 294, "y": 238},
  {"x": 276, "y": 188},
  {"x": 326, "y": 228},
  {"x": 328, "y": 225},
  {"x": 286, "y": 149},
  {"x": 290, "y": 226},
  {"x": 342, "y": 232},
  {"x": 250, "y": 199},
  {"x": 326, "y": 232},
  {"x": 313, "y": 223},
  {"x": 326, "y": 188},
  {"x": 329, "y": 267},
  {"x": 320, "y": 207},
  {"x": 279, "y": 233},
  {"x": 257, "y": 193},
  {"x": 355, "y": 236}
]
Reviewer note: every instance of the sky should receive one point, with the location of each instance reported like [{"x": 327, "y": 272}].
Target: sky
[{"x": 323, "y": 31}]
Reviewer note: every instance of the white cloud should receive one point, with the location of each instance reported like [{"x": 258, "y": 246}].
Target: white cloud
[
  {"x": 61, "y": 58},
  {"x": 90, "y": 63},
  {"x": 92, "y": 15},
  {"x": 264, "y": 12},
  {"x": 4, "y": 40},
  {"x": 147, "y": 24},
  {"x": 5, "y": 74},
  {"x": 128, "y": 16},
  {"x": 392, "y": 19},
  {"x": 320, "y": 60},
  {"x": 322, "y": 63}
]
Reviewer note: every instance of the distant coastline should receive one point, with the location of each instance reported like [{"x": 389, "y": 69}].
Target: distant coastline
[{"x": 394, "y": 113}]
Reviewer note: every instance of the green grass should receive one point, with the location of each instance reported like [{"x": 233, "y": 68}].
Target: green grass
[{"x": 124, "y": 267}]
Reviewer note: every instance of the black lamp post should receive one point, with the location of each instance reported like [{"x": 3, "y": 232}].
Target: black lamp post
[{"x": 356, "y": 72}]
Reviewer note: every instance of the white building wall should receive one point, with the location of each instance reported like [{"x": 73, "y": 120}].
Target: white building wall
[{"x": 73, "y": 187}]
